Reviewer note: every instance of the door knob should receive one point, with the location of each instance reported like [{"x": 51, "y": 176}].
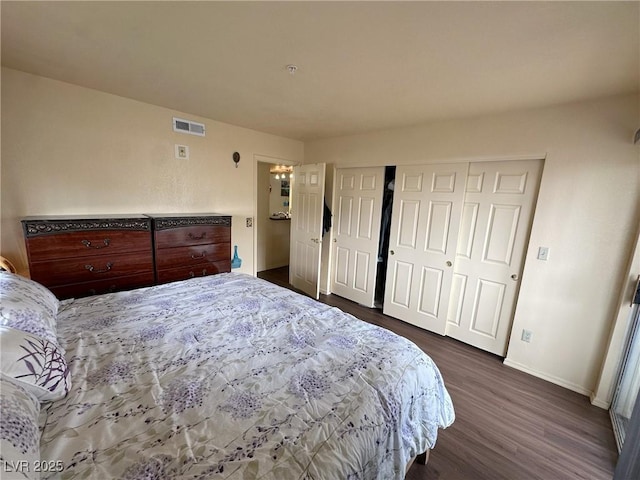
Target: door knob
[
  {"x": 392, "y": 252},
  {"x": 449, "y": 263},
  {"x": 514, "y": 276}
]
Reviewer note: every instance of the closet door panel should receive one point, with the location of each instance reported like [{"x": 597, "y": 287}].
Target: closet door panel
[
  {"x": 497, "y": 215},
  {"x": 425, "y": 224},
  {"x": 358, "y": 195}
]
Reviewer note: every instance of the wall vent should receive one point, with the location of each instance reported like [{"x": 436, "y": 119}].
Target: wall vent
[{"x": 187, "y": 126}]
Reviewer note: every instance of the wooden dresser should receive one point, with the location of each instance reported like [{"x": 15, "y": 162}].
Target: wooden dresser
[
  {"x": 192, "y": 245},
  {"x": 78, "y": 256}
]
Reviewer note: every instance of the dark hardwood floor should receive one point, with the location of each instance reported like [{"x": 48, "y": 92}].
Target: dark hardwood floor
[{"x": 509, "y": 425}]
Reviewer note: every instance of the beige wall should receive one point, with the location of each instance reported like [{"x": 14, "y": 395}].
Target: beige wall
[
  {"x": 587, "y": 213},
  {"x": 72, "y": 150}
]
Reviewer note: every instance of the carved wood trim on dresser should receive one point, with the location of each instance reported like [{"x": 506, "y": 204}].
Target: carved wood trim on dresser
[
  {"x": 191, "y": 245},
  {"x": 78, "y": 256}
]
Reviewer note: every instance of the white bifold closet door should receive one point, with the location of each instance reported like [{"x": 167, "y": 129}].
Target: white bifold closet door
[
  {"x": 427, "y": 205},
  {"x": 496, "y": 220},
  {"x": 356, "y": 232},
  {"x": 458, "y": 238}
]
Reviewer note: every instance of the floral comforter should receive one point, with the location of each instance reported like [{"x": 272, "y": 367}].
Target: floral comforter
[{"x": 231, "y": 377}]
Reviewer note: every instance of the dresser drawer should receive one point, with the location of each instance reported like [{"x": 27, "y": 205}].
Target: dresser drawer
[
  {"x": 98, "y": 287},
  {"x": 195, "y": 255},
  {"x": 192, "y": 235},
  {"x": 89, "y": 243},
  {"x": 88, "y": 269},
  {"x": 184, "y": 273}
]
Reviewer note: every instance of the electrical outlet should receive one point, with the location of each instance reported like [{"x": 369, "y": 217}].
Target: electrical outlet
[
  {"x": 249, "y": 222},
  {"x": 543, "y": 253},
  {"x": 526, "y": 336}
]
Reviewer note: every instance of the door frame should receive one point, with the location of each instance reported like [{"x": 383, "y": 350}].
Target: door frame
[{"x": 602, "y": 395}]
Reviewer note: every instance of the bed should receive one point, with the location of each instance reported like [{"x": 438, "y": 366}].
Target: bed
[{"x": 220, "y": 377}]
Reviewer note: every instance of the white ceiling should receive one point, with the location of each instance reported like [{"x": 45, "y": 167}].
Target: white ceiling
[{"x": 362, "y": 66}]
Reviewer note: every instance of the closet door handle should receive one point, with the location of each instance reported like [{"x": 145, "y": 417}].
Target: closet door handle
[
  {"x": 449, "y": 264},
  {"x": 392, "y": 252},
  {"x": 514, "y": 276}
]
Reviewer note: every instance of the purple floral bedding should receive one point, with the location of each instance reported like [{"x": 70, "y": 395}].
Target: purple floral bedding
[{"x": 231, "y": 377}]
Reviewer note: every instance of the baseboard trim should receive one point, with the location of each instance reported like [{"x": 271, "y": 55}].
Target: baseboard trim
[
  {"x": 598, "y": 402},
  {"x": 553, "y": 379}
]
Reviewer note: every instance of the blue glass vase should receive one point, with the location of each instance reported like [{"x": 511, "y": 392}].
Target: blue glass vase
[{"x": 236, "y": 261}]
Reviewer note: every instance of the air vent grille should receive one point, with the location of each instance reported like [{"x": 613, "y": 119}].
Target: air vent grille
[{"x": 187, "y": 126}]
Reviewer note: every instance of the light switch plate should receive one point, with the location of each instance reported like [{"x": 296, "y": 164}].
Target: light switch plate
[{"x": 182, "y": 152}]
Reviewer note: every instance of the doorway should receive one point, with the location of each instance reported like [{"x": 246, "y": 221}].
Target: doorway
[
  {"x": 272, "y": 223},
  {"x": 628, "y": 384}
]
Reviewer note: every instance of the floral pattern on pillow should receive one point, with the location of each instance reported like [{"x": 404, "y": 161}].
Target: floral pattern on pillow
[
  {"x": 19, "y": 432},
  {"x": 28, "y": 306},
  {"x": 35, "y": 363}
]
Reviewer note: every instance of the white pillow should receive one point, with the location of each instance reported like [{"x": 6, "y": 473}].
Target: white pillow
[
  {"x": 35, "y": 363},
  {"x": 19, "y": 432},
  {"x": 28, "y": 306}
]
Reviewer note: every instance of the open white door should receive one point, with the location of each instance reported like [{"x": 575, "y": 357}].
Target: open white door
[
  {"x": 358, "y": 207},
  {"x": 427, "y": 205},
  {"x": 307, "y": 207},
  {"x": 496, "y": 220}
]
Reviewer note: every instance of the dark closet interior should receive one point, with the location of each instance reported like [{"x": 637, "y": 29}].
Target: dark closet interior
[{"x": 385, "y": 232}]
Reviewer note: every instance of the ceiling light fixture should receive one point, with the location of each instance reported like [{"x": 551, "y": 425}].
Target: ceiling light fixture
[
  {"x": 292, "y": 69},
  {"x": 281, "y": 171}
]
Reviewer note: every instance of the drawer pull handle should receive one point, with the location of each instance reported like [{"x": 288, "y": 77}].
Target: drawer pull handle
[
  {"x": 87, "y": 243},
  {"x": 91, "y": 268},
  {"x": 202, "y": 255},
  {"x": 93, "y": 291},
  {"x": 192, "y": 274},
  {"x": 199, "y": 237}
]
